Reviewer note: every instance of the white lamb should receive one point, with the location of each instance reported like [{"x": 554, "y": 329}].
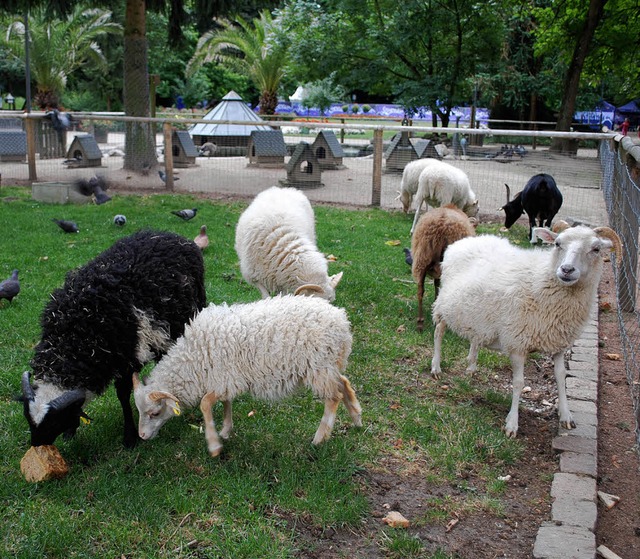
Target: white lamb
[
  {"x": 517, "y": 301},
  {"x": 267, "y": 348},
  {"x": 440, "y": 184},
  {"x": 276, "y": 245}
]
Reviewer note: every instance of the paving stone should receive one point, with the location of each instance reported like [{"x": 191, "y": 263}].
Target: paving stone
[
  {"x": 575, "y": 444},
  {"x": 582, "y": 429},
  {"x": 564, "y": 542},
  {"x": 575, "y": 512},
  {"x": 581, "y": 342},
  {"x": 582, "y": 389},
  {"x": 579, "y": 463},
  {"x": 585, "y": 354},
  {"x": 579, "y": 487},
  {"x": 583, "y": 418},
  {"x": 582, "y": 406},
  {"x": 587, "y": 373}
]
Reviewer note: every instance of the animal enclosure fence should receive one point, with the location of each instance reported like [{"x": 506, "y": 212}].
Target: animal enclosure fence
[{"x": 598, "y": 179}]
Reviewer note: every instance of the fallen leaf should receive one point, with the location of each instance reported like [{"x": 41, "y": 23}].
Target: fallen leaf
[
  {"x": 401, "y": 329},
  {"x": 331, "y": 258},
  {"x": 451, "y": 524},
  {"x": 393, "y": 243},
  {"x": 605, "y": 307},
  {"x": 613, "y": 356},
  {"x": 395, "y": 520},
  {"x": 251, "y": 413}
]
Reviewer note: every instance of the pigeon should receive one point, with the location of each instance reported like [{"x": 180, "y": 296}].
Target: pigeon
[
  {"x": 185, "y": 214},
  {"x": 66, "y": 226},
  {"x": 163, "y": 176},
  {"x": 119, "y": 220},
  {"x": 10, "y": 287},
  {"x": 202, "y": 240},
  {"x": 408, "y": 258},
  {"x": 95, "y": 187}
]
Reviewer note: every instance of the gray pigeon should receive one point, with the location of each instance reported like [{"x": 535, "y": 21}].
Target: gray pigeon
[
  {"x": 185, "y": 214},
  {"x": 119, "y": 220},
  {"x": 9, "y": 288},
  {"x": 163, "y": 176},
  {"x": 66, "y": 226},
  {"x": 95, "y": 187}
]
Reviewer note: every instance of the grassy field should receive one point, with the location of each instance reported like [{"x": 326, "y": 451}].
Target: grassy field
[{"x": 168, "y": 497}]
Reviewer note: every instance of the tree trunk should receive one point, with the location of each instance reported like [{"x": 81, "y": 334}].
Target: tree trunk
[
  {"x": 140, "y": 151},
  {"x": 572, "y": 79}
]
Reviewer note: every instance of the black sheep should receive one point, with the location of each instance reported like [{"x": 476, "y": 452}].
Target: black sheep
[
  {"x": 540, "y": 199},
  {"x": 112, "y": 315}
]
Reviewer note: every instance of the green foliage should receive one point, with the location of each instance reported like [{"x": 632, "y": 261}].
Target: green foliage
[
  {"x": 270, "y": 483},
  {"x": 59, "y": 47},
  {"x": 322, "y": 94}
]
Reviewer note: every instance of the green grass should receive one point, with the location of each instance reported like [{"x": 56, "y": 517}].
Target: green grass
[{"x": 160, "y": 498}]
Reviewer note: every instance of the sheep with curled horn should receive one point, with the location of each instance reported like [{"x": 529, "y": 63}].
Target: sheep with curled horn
[{"x": 518, "y": 301}]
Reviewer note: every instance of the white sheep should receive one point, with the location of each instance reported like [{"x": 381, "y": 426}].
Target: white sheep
[
  {"x": 409, "y": 181},
  {"x": 276, "y": 245},
  {"x": 517, "y": 301},
  {"x": 267, "y": 348},
  {"x": 440, "y": 184}
]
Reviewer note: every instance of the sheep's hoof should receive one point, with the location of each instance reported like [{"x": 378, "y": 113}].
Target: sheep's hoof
[
  {"x": 510, "y": 433},
  {"x": 215, "y": 451},
  {"x": 435, "y": 373},
  {"x": 225, "y": 433},
  {"x": 568, "y": 424},
  {"x": 420, "y": 325}
]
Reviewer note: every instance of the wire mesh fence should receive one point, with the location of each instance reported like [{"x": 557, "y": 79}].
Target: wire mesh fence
[
  {"x": 348, "y": 163},
  {"x": 620, "y": 164}
]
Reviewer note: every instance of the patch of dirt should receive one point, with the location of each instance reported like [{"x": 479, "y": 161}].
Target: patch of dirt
[
  {"x": 396, "y": 484},
  {"x": 618, "y": 462}
]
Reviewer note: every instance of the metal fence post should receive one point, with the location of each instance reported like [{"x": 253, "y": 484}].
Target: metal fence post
[
  {"x": 168, "y": 154},
  {"x": 30, "y": 129},
  {"x": 376, "y": 184}
]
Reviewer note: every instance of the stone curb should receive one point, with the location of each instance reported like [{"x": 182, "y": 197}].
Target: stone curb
[{"x": 571, "y": 532}]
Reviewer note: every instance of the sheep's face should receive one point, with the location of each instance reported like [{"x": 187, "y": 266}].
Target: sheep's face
[
  {"x": 406, "y": 198},
  {"x": 472, "y": 209},
  {"x": 577, "y": 254},
  {"x": 155, "y": 409}
]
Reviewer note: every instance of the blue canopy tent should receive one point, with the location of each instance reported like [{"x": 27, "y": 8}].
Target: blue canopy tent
[
  {"x": 630, "y": 110},
  {"x": 603, "y": 114}
]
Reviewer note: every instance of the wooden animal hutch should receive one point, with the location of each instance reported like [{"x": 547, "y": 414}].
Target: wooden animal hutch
[
  {"x": 266, "y": 148},
  {"x": 426, "y": 148},
  {"x": 399, "y": 153},
  {"x": 183, "y": 149},
  {"x": 13, "y": 145},
  {"x": 303, "y": 169},
  {"x": 328, "y": 150},
  {"x": 84, "y": 152}
]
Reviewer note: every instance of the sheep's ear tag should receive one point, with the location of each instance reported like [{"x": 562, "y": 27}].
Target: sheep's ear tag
[{"x": 176, "y": 408}]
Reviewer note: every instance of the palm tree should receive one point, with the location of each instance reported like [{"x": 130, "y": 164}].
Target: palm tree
[
  {"x": 60, "y": 47},
  {"x": 247, "y": 48}
]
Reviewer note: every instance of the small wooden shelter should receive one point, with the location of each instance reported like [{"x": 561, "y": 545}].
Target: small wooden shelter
[
  {"x": 84, "y": 152},
  {"x": 399, "y": 153},
  {"x": 183, "y": 149},
  {"x": 328, "y": 150},
  {"x": 13, "y": 145},
  {"x": 266, "y": 148},
  {"x": 426, "y": 148},
  {"x": 303, "y": 169}
]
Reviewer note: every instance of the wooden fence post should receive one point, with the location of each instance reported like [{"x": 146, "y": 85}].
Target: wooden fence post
[{"x": 376, "y": 185}]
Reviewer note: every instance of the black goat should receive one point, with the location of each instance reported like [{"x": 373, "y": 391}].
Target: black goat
[
  {"x": 112, "y": 315},
  {"x": 540, "y": 199}
]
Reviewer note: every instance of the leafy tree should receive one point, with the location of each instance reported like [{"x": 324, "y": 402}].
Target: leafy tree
[
  {"x": 322, "y": 94},
  {"x": 59, "y": 48},
  {"x": 247, "y": 48},
  {"x": 420, "y": 52}
]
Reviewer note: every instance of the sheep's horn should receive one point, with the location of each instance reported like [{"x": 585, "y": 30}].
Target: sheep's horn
[
  {"x": 310, "y": 287},
  {"x": 67, "y": 399},
  {"x": 508, "y": 192},
  {"x": 610, "y": 234},
  {"x": 155, "y": 396},
  {"x": 27, "y": 389}
]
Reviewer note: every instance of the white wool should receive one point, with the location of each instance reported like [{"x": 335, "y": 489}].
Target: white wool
[
  {"x": 440, "y": 184},
  {"x": 267, "y": 348},
  {"x": 276, "y": 244},
  {"x": 409, "y": 182}
]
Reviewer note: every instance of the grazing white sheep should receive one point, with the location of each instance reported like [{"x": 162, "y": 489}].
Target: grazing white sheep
[
  {"x": 440, "y": 184},
  {"x": 409, "y": 182},
  {"x": 276, "y": 245},
  {"x": 517, "y": 301},
  {"x": 267, "y": 348}
]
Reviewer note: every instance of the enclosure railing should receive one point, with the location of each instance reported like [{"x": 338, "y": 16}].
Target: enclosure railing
[{"x": 620, "y": 159}]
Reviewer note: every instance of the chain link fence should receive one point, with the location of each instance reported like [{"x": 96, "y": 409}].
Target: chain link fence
[{"x": 621, "y": 171}]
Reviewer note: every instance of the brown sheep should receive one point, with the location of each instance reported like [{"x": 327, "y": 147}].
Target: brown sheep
[{"x": 435, "y": 231}]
